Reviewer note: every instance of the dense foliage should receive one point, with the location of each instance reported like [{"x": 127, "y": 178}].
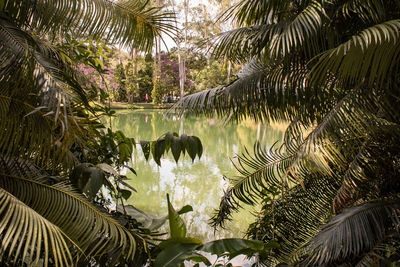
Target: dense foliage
[
  {"x": 58, "y": 163},
  {"x": 330, "y": 192}
]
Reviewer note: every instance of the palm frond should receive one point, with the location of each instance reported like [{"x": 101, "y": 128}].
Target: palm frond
[
  {"x": 247, "y": 12},
  {"x": 127, "y": 22},
  {"x": 381, "y": 253},
  {"x": 274, "y": 39},
  {"x": 92, "y": 231},
  {"x": 19, "y": 49},
  {"x": 295, "y": 218},
  {"x": 263, "y": 92},
  {"x": 28, "y": 238},
  {"x": 367, "y": 10},
  {"x": 353, "y": 232},
  {"x": 258, "y": 172},
  {"x": 370, "y": 57},
  {"x": 373, "y": 164}
]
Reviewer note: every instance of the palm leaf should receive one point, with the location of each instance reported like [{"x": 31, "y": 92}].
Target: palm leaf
[
  {"x": 19, "y": 49},
  {"x": 375, "y": 51},
  {"x": 29, "y": 238},
  {"x": 295, "y": 217},
  {"x": 369, "y": 10},
  {"x": 353, "y": 232},
  {"x": 263, "y": 92},
  {"x": 381, "y": 253},
  {"x": 258, "y": 172},
  {"x": 126, "y": 22},
  {"x": 273, "y": 38},
  {"x": 92, "y": 231}
]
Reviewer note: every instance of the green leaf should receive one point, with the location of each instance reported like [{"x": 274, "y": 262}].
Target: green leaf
[
  {"x": 77, "y": 177},
  {"x": 174, "y": 254},
  {"x": 131, "y": 169},
  {"x": 234, "y": 246},
  {"x": 199, "y": 146},
  {"x": 88, "y": 178},
  {"x": 107, "y": 168},
  {"x": 191, "y": 147},
  {"x": 1, "y": 5},
  {"x": 176, "y": 224},
  {"x": 183, "y": 240},
  {"x": 127, "y": 185},
  {"x": 148, "y": 220},
  {"x": 125, "y": 193},
  {"x": 96, "y": 180},
  {"x": 168, "y": 140},
  {"x": 199, "y": 258},
  {"x": 146, "y": 148},
  {"x": 176, "y": 147},
  {"x": 184, "y": 140},
  {"x": 185, "y": 209},
  {"x": 159, "y": 149},
  {"x": 125, "y": 152}
]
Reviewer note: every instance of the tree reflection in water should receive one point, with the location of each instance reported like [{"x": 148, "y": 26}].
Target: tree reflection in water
[{"x": 199, "y": 184}]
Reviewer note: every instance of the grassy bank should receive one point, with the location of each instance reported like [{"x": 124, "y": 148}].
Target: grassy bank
[{"x": 120, "y": 105}]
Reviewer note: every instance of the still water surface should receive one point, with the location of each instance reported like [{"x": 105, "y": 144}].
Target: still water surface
[{"x": 199, "y": 184}]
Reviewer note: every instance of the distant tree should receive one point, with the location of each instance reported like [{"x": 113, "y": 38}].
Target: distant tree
[
  {"x": 211, "y": 76},
  {"x": 170, "y": 80},
  {"x": 120, "y": 79},
  {"x": 145, "y": 78}
]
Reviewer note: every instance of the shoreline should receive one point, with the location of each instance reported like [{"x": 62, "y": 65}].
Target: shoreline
[{"x": 121, "y": 105}]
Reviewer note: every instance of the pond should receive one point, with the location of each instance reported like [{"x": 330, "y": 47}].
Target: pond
[{"x": 199, "y": 183}]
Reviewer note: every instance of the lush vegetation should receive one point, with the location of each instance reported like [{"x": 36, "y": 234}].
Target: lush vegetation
[
  {"x": 59, "y": 163},
  {"x": 330, "y": 193}
]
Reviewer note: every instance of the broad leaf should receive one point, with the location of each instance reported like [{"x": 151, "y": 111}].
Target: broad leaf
[
  {"x": 233, "y": 246},
  {"x": 107, "y": 168},
  {"x": 176, "y": 224},
  {"x": 175, "y": 254},
  {"x": 176, "y": 147},
  {"x": 146, "y": 148}
]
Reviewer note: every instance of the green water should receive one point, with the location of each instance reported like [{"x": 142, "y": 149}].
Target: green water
[{"x": 199, "y": 184}]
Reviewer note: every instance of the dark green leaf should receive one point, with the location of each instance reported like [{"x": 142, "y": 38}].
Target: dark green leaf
[
  {"x": 199, "y": 258},
  {"x": 176, "y": 148},
  {"x": 125, "y": 193},
  {"x": 96, "y": 180},
  {"x": 130, "y": 168},
  {"x": 199, "y": 146},
  {"x": 232, "y": 246},
  {"x": 146, "y": 148},
  {"x": 127, "y": 185},
  {"x": 176, "y": 224},
  {"x": 191, "y": 147},
  {"x": 185, "y": 209},
  {"x": 182, "y": 240},
  {"x": 107, "y": 168},
  {"x": 159, "y": 149},
  {"x": 174, "y": 254}
]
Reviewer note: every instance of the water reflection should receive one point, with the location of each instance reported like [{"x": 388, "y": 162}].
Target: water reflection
[{"x": 200, "y": 183}]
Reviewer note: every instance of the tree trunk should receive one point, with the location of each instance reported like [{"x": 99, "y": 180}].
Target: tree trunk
[{"x": 180, "y": 60}]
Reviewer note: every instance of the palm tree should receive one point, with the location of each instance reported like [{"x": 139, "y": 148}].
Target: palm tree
[
  {"x": 44, "y": 220},
  {"x": 330, "y": 68}
]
